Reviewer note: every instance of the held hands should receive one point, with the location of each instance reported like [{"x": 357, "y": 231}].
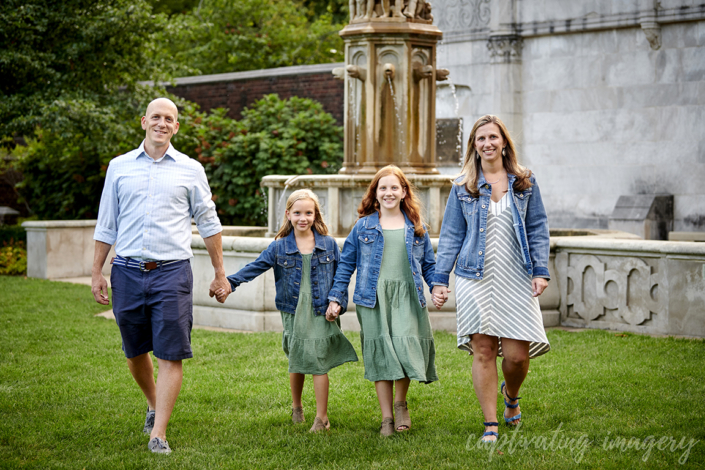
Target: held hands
[
  {"x": 99, "y": 287},
  {"x": 538, "y": 285},
  {"x": 220, "y": 288},
  {"x": 333, "y": 311},
  {"x": 440, "y": 296}
]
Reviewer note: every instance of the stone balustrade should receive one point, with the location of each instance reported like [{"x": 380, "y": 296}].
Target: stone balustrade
[{"x": 600, "y": 279}]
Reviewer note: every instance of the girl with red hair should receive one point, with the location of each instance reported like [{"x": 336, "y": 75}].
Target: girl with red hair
[{"x": 391, "y": 250}]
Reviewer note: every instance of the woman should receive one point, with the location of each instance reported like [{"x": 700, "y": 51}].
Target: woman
[{"x": 500, "y": 240}]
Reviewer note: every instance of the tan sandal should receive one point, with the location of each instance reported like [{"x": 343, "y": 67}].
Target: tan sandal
[
  {"x": 403, "y": 420},
  {"x": 297, "y": 415},
  {"x": 387, "y": 428},
  {"x": 319, "y": 425}
]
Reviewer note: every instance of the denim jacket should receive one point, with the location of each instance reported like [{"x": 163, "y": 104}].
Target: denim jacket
[
  {"x": 283, "y": 255},
  {"x": 463, "y": 233},
  {"x": 363, "y": 250}
]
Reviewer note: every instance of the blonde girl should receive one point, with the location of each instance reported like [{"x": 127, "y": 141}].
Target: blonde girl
[{"x": 305, "y": 259}]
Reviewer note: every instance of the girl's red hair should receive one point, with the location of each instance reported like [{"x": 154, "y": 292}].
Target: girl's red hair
[{"x": 410, "y": 205}]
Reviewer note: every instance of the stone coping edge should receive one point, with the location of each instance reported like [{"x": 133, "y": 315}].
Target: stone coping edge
[
  {"x": 251, "y": 74},
  {"x": 341, "y": 181},
  {"x": 642, "y": 246},
  {"x": 259, "y": 244},
  {"x": 45, "y": 224}
]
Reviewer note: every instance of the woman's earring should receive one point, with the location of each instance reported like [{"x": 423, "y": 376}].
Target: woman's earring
[{"x": 504, "y": 152}]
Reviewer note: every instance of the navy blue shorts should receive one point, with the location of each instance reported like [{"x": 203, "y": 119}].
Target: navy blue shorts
[{"x": 154, "y": 309}]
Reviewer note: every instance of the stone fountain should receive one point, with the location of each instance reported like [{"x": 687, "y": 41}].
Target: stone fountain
[{"x": 390, "y": 114}]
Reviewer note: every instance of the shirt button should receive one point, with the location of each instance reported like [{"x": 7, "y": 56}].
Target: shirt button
[
  {"x": 483, "y": 206},
  {"x": 478, "y": 274},
  {"x": 284, "y": 263},
  {"x": 365, "y": 239},
  {"x": 521, "y": 195},
  {"x": 414, "y": 274},
  {"x": 417, "y": 242},
  {"x": 482, "y": 230},
  {"x": 480, "y": 252}
]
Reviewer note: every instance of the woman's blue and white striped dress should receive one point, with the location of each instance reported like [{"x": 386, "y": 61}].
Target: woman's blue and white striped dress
[{"x": 501, "y": 303}]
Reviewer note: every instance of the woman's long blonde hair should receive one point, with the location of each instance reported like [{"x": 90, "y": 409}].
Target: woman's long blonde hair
[
  {"x": 318, "y": 223},
  {"x": 472, "y": 165},
  {"x": 410, "y": 205}
]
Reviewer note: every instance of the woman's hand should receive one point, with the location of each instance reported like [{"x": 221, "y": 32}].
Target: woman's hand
[
  {"x": 440, "y": 296},
  {"x": 333, "y": 311},
  {"x": 538, "y": 284}
]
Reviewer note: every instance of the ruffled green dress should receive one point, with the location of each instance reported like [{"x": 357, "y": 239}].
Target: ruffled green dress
[
  {"x": 396, "y": 335},
  {"x": 313, "y": 344}
]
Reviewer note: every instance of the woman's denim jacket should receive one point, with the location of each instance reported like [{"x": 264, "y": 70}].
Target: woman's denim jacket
[
  {"x": 283, "y": 255},
  {"x": 463, "y": 233},
  {"x": 363, "y": 250}
]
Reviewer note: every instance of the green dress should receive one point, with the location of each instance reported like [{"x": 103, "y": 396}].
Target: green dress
[
  {"x": 396, "y": 335},
  {"x": 313, "y": 344}
]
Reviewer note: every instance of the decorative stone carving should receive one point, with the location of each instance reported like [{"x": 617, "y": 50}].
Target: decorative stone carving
[
  {"x": 463, "y": 15},
  {"x": 355, "y": 71},
  {"x": 442, "y": 74},
  {"x": 652, "y": 31},
  {"x": 390, "y": 10},
  {"x": 626, "y": 292},
  {"x": 505, "y": 49}
]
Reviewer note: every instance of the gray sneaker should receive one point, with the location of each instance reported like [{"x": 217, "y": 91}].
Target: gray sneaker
[
  {"x": 149, "y": 422},
  {"x": 159, "y": 446}
]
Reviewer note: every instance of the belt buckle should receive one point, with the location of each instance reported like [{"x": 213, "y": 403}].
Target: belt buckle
[{"x": 144, "y": 267}]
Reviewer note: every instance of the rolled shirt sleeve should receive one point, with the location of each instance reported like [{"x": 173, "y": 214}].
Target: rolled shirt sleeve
[
  {"x": 203, "y": 208},
  {"x": 106, "y": 227}
]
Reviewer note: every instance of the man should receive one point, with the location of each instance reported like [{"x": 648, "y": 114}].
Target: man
[{"x": 149, "y": 197}]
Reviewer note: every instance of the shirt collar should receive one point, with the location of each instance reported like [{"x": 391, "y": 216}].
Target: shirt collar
[{"x": 171, "y": 152}]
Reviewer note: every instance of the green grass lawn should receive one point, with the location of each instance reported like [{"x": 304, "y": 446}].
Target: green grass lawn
[{"x": 67, "y": 400}]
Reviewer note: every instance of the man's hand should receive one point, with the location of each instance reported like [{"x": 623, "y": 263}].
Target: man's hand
[
  {"x": 440, "y": 296},
  {"x": 538, "y": 284},
  {"x": 99, "y": 287},
  {"x": 220, "y": 288},
  {"x": 333, "y": 311}
]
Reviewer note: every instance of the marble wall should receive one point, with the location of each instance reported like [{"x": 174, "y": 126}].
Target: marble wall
[{"x": 604, "y": 98}]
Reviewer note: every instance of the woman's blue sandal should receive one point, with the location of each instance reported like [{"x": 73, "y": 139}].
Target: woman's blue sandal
[
  {"x": 510, "y": 421},
  {"x": 490, "y": 433}
]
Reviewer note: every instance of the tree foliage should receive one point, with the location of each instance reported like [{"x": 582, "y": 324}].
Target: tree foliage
[
  {"x": 222, "y": 36},
  {"x": 71, "y": 50},
  {"x": 274, "y": 137}
]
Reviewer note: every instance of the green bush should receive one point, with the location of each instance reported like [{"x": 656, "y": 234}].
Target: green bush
[
  {"x": 274, "y": 137},
  {"x": 13, "y": 258}
]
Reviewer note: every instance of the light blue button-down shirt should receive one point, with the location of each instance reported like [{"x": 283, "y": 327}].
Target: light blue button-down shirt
[{"x": 147, "y": 205}]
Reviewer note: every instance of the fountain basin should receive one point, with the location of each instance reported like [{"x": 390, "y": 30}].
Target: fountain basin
[{"x": 340, "y": 195}]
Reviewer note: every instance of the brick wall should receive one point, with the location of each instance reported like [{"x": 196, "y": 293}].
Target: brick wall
[{"x": 236, "y": 91}]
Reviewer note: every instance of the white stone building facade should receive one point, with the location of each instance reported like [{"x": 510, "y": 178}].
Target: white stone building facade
[{"x": 605, "y": 98}]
